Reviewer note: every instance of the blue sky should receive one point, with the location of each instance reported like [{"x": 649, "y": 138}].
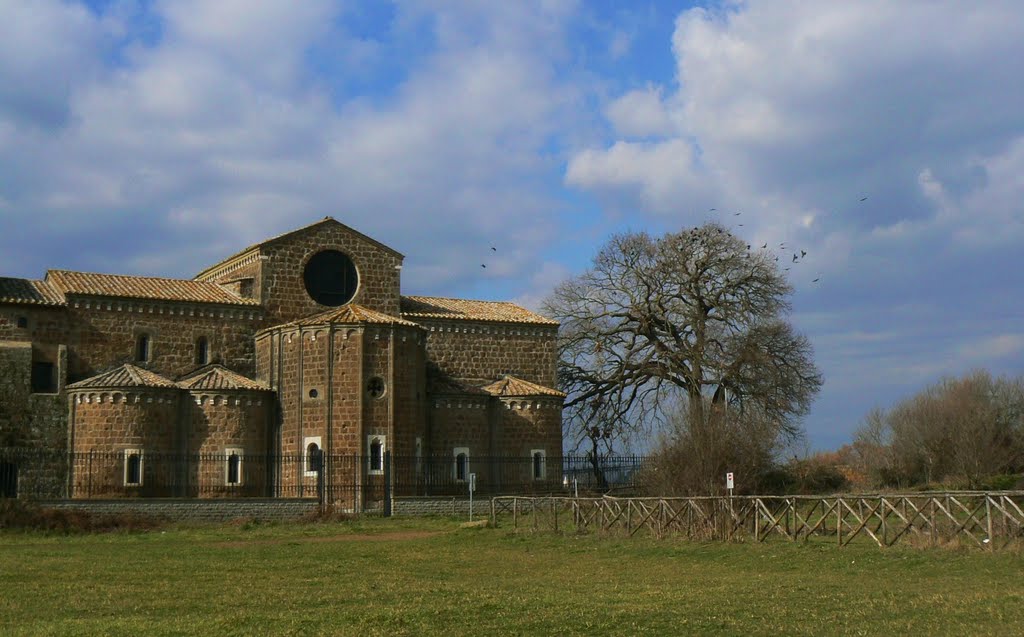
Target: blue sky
[{"x": 158, "y": 137}]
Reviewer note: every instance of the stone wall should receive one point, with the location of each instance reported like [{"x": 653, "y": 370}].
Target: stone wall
[
  {"x": 112, "y": 424},
  {"x": 447, "y": 506},
  {"x": 322, "y": 376},
  {"x": 486, "y": 351},
  {"x": 103, "y": 335},
  {"x": 222, "y": 424},
  {"x": 47, "y": 325},
  {"x": 283, "y": 292},
  {"x": 33, "y": 421},
  {"x": 527, "y": 424},
  {"x": 196, "y": 510}
]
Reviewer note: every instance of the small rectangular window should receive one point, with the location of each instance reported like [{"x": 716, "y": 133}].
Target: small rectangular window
[
  {"x": 419, "y": 456},
  {"x": 202, "y": 350},
  {"x": 233, "y": 457},
  {"x": 142, "y": 348},
  {"x": 8, "y": 479},
  {"x": 460, "y": 468},
  {"x": 44, "y": 380},
  {"x": 538, "y": 460},
  {"x": 133, "y": 467}
]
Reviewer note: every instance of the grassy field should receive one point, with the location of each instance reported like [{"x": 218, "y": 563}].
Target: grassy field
[{"x": 423, "y": 577}]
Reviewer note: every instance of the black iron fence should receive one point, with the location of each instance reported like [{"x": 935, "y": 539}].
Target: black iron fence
[{"x": 356, "y": 481}]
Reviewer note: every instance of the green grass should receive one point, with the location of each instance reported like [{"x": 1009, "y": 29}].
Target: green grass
[{"x": 356, "y": 578}]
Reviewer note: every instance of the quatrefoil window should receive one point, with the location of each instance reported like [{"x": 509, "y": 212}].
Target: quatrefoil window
[{"x": 375, "y": 387}]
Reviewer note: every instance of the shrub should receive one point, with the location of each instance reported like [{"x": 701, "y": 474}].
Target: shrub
[{"x": 27, "y": 516}]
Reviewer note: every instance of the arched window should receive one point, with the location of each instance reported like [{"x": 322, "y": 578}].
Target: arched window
[
  {"x": 133, "y": 467},
  {"x": 142, "y": 348},
  {"x": 233, "y": 467},
  {"x": 202, "y": 350},
  {"x": 461, "y": 464},
  {"x": 376, "y": 459},
  {"x": 314, "y": 457}
]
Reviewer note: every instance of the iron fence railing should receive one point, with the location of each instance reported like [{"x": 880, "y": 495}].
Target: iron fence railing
[{"x": 360, "y": 480}]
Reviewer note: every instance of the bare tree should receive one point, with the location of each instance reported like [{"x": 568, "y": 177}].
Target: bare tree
[
  {"x": 694, "y": 317},
  {"x": 967, "y": 429}
]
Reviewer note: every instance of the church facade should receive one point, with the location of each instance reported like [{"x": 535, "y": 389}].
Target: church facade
[{"x": 294, "y": 351}]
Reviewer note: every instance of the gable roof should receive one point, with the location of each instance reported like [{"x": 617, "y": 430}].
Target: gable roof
[
  {"x": 123, "y": 377},
  {"x": 349, "y": 314},
  {"x": 218, "y": 377},
  {"x": 142, "y": 287},
  {"x": 436, "y": 307},
  {"x": 29, "y": 292},
  {"x": 512, "y": 386},
  {"x": 281, "y": 237}
]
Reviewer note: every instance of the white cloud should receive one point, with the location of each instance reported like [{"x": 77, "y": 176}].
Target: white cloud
[
  {"x": 639, "y": 114},
  {"x": 662, "y": 174},
  {"x": 47, "y": 49},
  {"x": 886, "y": 139},
  {"x": 219, "y": 133}
]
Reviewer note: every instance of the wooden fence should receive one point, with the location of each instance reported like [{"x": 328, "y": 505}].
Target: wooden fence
[{"x": 988, "y": 519}]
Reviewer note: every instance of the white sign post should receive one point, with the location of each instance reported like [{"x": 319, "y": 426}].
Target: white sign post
[
  {"x": 472, "y": 488},
  {"x": 729, "y": 484}
]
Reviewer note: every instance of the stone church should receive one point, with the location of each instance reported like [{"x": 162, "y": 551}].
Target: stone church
[{"x": 294, "y": 351}]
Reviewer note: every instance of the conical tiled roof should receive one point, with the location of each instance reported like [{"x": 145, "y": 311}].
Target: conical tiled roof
[
  {"x": 446, "y": 386},
  {"x": 512, "y": 386},
  {"x": 124, "y": 377},
  {"x": 218, "y": 377},
  {"x": 349, "y": 314}
]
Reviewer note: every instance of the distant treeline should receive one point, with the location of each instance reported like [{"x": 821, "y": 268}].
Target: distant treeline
[
  {"x": 963, "y": 432},
  {"x": 959, "y": 433}
]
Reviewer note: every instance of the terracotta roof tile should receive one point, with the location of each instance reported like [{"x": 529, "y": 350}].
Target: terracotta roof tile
[
  {"x": 125, "y": 376},
  {"x": 142, "y": 287},
  {"x": 445, "y": 386},
  {"x": 28, "y": 292},
  {"x": 433, "y": 307},
  {"x": 218, "y": 377},
  {"x": 351, "y": 313},
  {"x": 512, "y": 386}
]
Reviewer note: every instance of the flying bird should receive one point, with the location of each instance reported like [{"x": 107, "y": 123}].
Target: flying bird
[
  {"x": 794, "y": 258},
  {"x": 482, "y": 265},
  {"x": 493, "y": 249},
  {"x": 803, "y": 253},
  {"x": 864, "y": 199},
  {"x": 816, "y": 280},
  {"x": 765, "y": 245},
  {"x": 736, "y": 214}
]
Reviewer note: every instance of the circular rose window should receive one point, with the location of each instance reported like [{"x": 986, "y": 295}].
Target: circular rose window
[{"x": 331, "y": 278}]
